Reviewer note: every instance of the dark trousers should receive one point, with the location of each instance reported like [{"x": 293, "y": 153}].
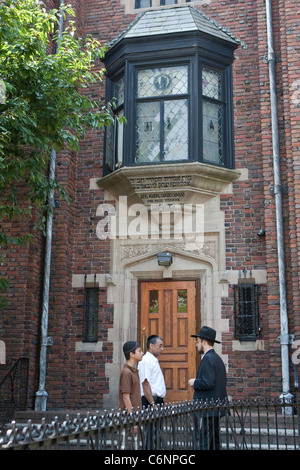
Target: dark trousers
[
  {"x": 152, "y": 430},
  {"x": 158, "y": 401},
  {"x": 207, "y": 433}
]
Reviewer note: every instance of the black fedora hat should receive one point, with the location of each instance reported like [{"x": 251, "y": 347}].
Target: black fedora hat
[{"x": 207, "y": 333}]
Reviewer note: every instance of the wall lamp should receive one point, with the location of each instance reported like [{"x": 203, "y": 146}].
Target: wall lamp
[
  {"x": 164, "y": 259},
  {"x": 261, "y": 232}
]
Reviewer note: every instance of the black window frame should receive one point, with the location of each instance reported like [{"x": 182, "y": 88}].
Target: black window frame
[
  {"x": 220, "y": 101},
  {"x": 161, "y": 99},
  {"x": 163, "y": 52},
  {"x": 112, "y": 131}
]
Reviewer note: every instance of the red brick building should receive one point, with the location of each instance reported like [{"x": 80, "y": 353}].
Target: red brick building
[{"x": 190, "y": 174}]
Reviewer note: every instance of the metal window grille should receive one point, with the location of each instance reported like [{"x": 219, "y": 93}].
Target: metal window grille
[
  {"x": 91, "y": 312},
  {"x": 246, "y": 308}
]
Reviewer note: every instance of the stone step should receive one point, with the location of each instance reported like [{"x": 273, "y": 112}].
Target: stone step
[{"x": 261, "y": 438}]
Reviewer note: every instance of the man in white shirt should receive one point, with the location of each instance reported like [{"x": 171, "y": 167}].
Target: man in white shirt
[{"x": 153, "y": 387}]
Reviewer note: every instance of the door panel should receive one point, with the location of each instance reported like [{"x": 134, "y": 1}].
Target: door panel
[{"x": 168, "y": 309}]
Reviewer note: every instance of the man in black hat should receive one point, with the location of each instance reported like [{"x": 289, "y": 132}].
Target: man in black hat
[{"x": 210, "y": 384}]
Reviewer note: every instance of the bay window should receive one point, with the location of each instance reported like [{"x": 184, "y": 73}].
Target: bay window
[{"x": 175, "y": 92}]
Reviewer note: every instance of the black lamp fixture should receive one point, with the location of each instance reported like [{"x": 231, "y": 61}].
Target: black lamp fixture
[
  {"x": 261, "y": 233},
  {"x": 164, "y": 259}
]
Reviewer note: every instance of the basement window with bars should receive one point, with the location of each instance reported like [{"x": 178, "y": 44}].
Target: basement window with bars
[
  {"x": 246, "y": 309},
  {"x": 91, "y": 307}
]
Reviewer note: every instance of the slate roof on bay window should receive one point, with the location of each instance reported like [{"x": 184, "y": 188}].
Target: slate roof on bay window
[{"x": 174, "y": 20}]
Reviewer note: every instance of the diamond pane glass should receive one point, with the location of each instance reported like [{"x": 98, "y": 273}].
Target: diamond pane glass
[
  {"x": 118, "y": 91},
  {"x": 148, "y": 132},
  {"x": 163, "y": 81},
  {"x": 110, "y": 141},
  {"x": 176, "y": 130},
  {"x": 119, "y": 139},
  {"x": 211, "y": 84},
  {"x": 212, "y": 132}
]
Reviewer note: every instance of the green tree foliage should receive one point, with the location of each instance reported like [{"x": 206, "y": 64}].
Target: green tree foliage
[{"x": 42, "y": 104}]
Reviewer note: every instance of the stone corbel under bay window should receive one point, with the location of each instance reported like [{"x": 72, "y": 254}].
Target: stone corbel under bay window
[{"x": 180, "y": 183}]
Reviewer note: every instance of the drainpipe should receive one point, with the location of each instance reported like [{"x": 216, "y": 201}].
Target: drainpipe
[
  {"x": 284, "y": 336},
  {"x": 41, "y": 394}
]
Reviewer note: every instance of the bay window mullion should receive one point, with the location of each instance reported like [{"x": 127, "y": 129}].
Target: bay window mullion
[{"x": 162, "y": 131}]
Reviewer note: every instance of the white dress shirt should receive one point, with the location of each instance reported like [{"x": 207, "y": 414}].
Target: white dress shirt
[{"x": 149, "y": 369}]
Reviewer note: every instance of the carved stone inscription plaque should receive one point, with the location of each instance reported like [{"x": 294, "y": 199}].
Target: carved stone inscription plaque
[{"x": 161, "y": 188}]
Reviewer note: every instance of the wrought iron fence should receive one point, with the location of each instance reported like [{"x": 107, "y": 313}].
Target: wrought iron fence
[
  {"x": 252, "y": 424},
  {"x": 13, "y": 390}
]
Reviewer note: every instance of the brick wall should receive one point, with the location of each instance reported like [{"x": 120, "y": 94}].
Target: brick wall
[{"x": 78, "y": 379}]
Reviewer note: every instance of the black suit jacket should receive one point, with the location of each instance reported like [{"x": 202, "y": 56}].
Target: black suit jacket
[{"x": 210, "y": 383}]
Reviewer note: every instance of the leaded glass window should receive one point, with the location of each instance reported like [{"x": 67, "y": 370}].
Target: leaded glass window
[
  {"x": 162, "y": 81},
  {"x": 162, "y": 114},
  {"x": 212, "y": 112},
  {"x": 177, "y": 109},
  {"x": 114, "y": 135},
  {"x": 118, "y": 91}
]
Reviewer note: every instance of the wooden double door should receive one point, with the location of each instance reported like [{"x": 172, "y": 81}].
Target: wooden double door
[{"x": 169, "y": 309}]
